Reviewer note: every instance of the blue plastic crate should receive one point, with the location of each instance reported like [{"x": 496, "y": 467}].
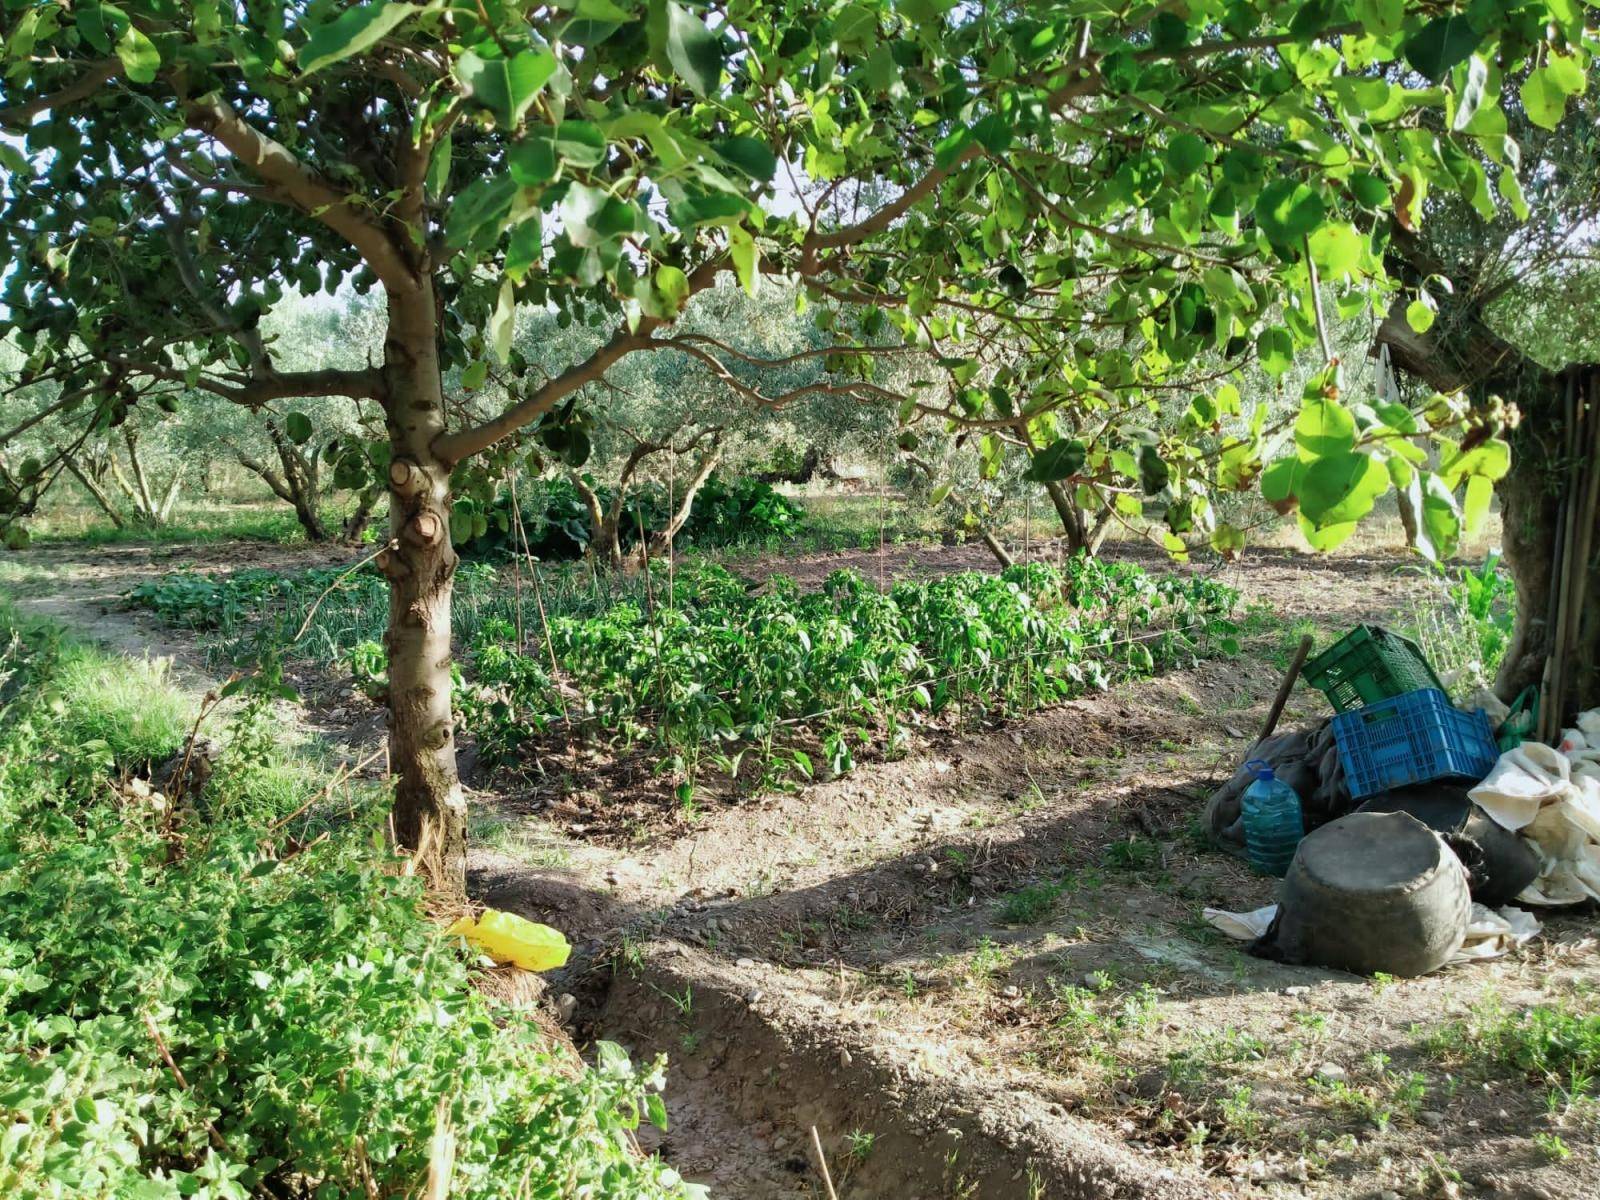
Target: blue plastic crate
[{"x": 1412, "y": 738}]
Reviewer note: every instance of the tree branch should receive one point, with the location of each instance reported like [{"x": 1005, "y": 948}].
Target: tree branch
[
  {"x": 365, "y": 384},
  {"x": 274, "y": 163},
  {"x": 20, "y": 116}
]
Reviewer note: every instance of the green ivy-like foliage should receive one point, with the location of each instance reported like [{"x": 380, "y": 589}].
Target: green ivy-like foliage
[{"x": 325, "y": 1033}]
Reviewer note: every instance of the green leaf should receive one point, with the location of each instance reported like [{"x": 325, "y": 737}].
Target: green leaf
[
  {"x": 1420, "y": 313},
  {"x": 1470, "y": 98},
  {"x": 438, "y": 177},
  {"x": 474, "y": 376},
  {"x": 672, "y": 286},
  {"x": 1489, "y": 460},
  {"x": 693, "y": 51},
  {"x": 1369, "y": 190},
  {"x": 742, "y": 249},
  {"x": 1186, "y": 153},
  {"x": 98, "y": 24},
  {"x": 1475, "y": 507},
  {"x": 1340, "y": 488},
  {"x": 749, "y": 155},
  {"x": 507, "y": 87},
  {"x": 1227, "y": 540},
  {"x": 1287, "y": 210},
  {"x": 1059, "y": 460},
  {"x": 1440, "y": 527},
  {"x": 1381, "y": 18},
  {"x": 1337, "y": 250},
  {"x": 580, "y": 144},
  {"x": 1275, "y": 350},
  {"x": 140, "y": 58},
  {"x": 526, "y": 247},
  {"x": 1439, "y": 45},
  {"x": 503, "y": 321},
  {"x": 480, "y": 210},
  {"x": 1547, "y": 89},
  {"x": 297, "y": 426},
  {"x": 353, "y": 31},
  {"x": 1324, "y": 427}
]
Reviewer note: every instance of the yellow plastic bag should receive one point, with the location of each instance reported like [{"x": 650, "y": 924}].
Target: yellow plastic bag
[{"x": 507, "y": 938}]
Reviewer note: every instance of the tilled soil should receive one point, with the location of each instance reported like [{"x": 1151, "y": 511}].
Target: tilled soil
[{"x": 982, "y": 971}]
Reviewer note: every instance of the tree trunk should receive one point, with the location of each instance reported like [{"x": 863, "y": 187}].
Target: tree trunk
[
  {"x": 1001, "y": 554},
  {"x": 1554, "y": 573},
  {"x": 430, "y": 816},
  {"x": 356, "y": 523},
  {"x": 605, "y": 527},
  {"x": 1543, "y": 556},
  {"x": 94, "y": 489},
  {"x": 300, "y": 479},
  {"x": 1072, "y": 523},
  {"x": 661, "y": 539}
]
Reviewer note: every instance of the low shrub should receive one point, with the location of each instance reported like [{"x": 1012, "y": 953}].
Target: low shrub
[{"x": 218, "y": 1008}]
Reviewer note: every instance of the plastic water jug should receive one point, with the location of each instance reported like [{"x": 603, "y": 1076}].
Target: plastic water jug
[{"x": 1273, "y": 822}]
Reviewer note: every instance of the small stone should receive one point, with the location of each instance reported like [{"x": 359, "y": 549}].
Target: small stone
[
  {"x": 1011, "y": 992},
  {"x": 566, "y": 1005},
  {"x": 744, "y": 962},
  {"x": 753, "y": 996},
  {"x": 1388, "y": 1194},
  {"x": 852, "y": 897},
  {"x": 139, "y": 788},
  {"x": 1331, "y": 1073},
  {"x": 844, "y": 1057},
  {"x": 1298, "y": 989},
  {"x": 1429, "y": 1117}
]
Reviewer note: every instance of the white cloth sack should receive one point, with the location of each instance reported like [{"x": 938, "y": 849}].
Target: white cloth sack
[{"x": 1551, "y": 795}]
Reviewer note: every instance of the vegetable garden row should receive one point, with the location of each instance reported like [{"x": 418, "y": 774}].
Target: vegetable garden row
[{"x": 698, "y": 667}]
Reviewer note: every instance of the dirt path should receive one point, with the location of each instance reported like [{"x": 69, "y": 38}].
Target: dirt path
[{"x": 84, "y": 588}]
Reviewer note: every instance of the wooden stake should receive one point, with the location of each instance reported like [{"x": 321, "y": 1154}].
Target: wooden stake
[{"x": 1284, "y": 688}]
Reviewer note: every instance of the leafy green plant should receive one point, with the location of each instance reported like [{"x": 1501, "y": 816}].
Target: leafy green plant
[
  {"x": 1467, "y": 630},
  {"x": 222, "y": 1008},
  {"x": 1029, "y": 904}
]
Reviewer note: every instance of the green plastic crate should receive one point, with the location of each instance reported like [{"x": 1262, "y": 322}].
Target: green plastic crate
[{"x": 1369, "y": 664}]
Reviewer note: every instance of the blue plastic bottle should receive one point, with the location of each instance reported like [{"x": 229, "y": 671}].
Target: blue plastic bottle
[{"x": 1273, "y": 822}]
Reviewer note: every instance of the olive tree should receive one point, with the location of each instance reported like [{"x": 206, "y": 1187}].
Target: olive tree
[{"x": 178, "y": 168}]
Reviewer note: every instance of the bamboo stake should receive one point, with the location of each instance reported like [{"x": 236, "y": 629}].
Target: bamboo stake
[{"x": 822, "y": 1164}]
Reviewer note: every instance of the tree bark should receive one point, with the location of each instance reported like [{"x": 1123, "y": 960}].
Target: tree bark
[
  {"x": 300, "y": 479},
  {"x": 94, "y": 489},
  {"x": 1072, "y": 524},
  {"x": 662, "y": 538},
  {"x": 430, "y": 816},
  {"x": 1001, "y": 554},
  {"x": 356, "y": 523},
  {"x": 1545, "y": 478}
]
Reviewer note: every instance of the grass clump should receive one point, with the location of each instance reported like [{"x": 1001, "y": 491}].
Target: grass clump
[
  {"x": 128, "y": 706},
  {"x": 322, "y": 1033},
  {"x": 1557, "y": 1043},
  {"x": 1032, "y": 903}
]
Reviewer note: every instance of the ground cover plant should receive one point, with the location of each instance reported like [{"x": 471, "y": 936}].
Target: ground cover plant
[{"x": 215, "y": 1003}]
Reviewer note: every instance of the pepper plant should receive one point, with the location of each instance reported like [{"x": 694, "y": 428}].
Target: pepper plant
[{"x": 176, "y": 168}]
